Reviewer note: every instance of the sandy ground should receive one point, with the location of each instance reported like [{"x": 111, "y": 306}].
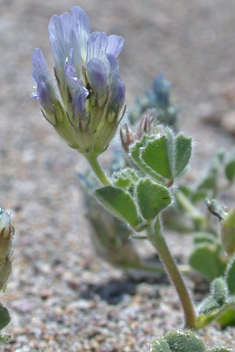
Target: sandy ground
[{"x": 59, "y": 293}]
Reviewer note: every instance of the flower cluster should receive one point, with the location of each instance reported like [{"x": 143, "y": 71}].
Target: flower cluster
[{"x": 85, "y": 101}]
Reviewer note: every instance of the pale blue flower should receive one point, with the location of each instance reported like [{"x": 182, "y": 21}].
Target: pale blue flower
[{"x": 85, "y": 99}]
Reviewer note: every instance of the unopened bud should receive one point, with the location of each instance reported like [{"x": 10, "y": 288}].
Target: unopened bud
[
  {"x": 6, "y": 233},
  {"x": 127, "y": 138},
  {"x": 215, "y": 208},
  {"x": 228, "y": 232},
  {"x": 147, "y": 125}
]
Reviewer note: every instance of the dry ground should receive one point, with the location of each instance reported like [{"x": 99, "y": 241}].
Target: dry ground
[{"x": 59, "y": 291}]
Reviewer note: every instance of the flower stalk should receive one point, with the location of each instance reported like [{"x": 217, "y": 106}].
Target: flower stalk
[
  {"x": 93, "y": 161},
  {"x": 158, "y": 241}
]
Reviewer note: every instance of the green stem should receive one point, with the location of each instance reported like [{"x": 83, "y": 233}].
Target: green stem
[
  {"x": 158, "y": 241},
  {"x": 92, "y": 159},
  {"x": 188, "y": 206}
]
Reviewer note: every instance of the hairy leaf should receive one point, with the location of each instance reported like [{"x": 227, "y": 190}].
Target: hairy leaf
[
  {"x": 120, "y": 203},
  {"x": 152, "y": 198}
]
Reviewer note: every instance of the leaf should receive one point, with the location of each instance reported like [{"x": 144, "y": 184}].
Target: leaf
[
  {"x": 184, "y": 341},
  {"x": 227, "y": 318},
  {"x": 230, "y": 170},
  {"x": 230, "y": 275},
  {"x": 135, "y": 153},
  {"x": 159, "y": 345},
  {"x": 120, "y": 203},
  {"x": 183, "y": 151},
  {"x": 201, "y": 237},
  {"x": 209, "y": 306},
  {"x": 206, "y": 259},
  {"x": 158, "y": 155},
  {"x": 152, "y": 198},
  {"x": 4, "y": 317},
  {"x": 219, "y": 290}
]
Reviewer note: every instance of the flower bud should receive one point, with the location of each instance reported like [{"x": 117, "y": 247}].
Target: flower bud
[
  {"x": 6, "y": 233},
  {"x": 147, "y": 125}
]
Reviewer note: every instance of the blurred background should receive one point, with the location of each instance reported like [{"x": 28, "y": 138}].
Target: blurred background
[{"x": 192, "y": 44}]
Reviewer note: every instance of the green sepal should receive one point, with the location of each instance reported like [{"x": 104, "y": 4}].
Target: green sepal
[
  {"x": 230, "y": 275},
  {"x": 208, "y": 260},
  {"x": 4, "y": 317},
  {"x": 120, "y": 203},
  {"x": 183, "y": 151},
  {"x": 159, "y": 155},
  {"x": 184, "y": 341},
  {"x": 152, "y": 198}
]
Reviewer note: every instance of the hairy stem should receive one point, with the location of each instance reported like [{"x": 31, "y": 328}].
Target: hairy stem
[
  {"x": 98, "y": 170},
  {"x": 158, "y": 241}
]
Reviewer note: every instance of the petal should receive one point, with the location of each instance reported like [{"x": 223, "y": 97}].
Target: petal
[
  {"x": 80, "y": 102},
  {"x": 83, "y": 26},
  {"x": 97, "y": 77},
  {"x": 71, "y": 78},
  {"x": 96, "y": 47},
  {"x": 113, "y": 70},
  {"x": 41, "y": 75},
  {"x": 116, "y": 87},
  {"x": 118, "y": 97},
  {"x": 115, "y": 45},
  {"x": 40, "y": 68},
  {"x": 63, "y": 36}
]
